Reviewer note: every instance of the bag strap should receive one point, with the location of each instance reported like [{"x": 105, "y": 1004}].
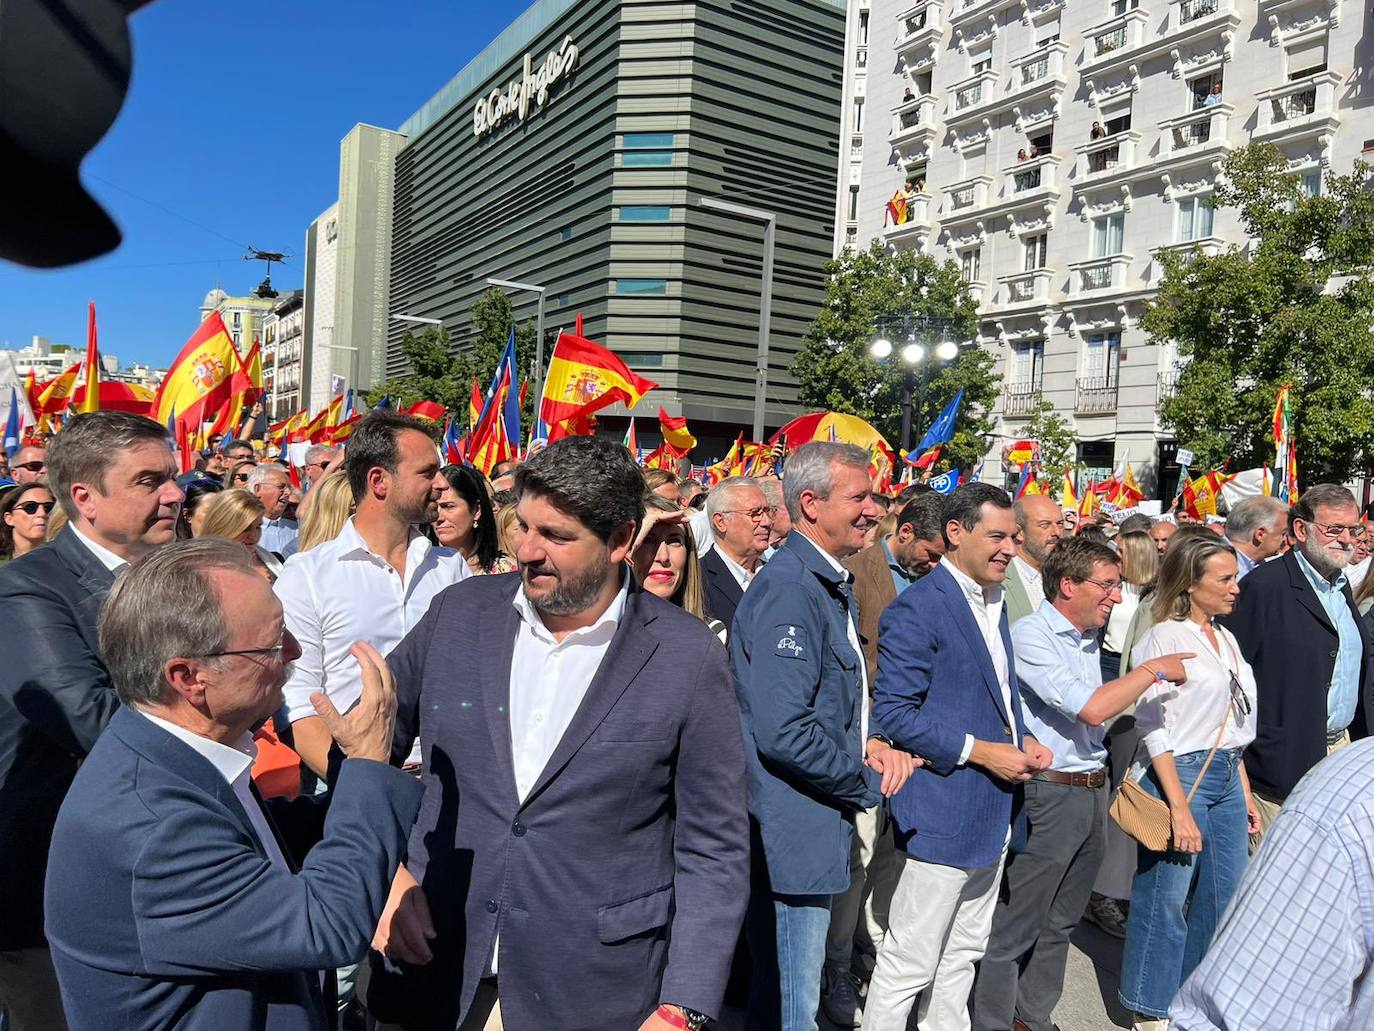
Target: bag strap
[{"x": 1221, "y": 732}]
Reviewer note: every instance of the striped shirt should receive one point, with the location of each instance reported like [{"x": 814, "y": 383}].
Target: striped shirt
[{"x": 1293, "y": 948}]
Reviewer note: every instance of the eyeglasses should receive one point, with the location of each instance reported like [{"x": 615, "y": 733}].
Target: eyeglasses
[
  {"x": 1109, "y": 586},
  {"x": 32, "y": 507},
  {"x": 240, "y": 477},
  {"x": 756, "y": 515},
  {"x": 1239, "y": 701},
  {"x": 1333, "y": 531},
  {"x": 33, "y": 467},
  {"x": 274, "y": 650}
]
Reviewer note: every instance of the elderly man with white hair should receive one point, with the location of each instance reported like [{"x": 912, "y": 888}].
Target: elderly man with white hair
[
  {"x": 1255, "y": 527},
  {"x": 271, "y": 483},
  {"x": 741, "y": 521}
]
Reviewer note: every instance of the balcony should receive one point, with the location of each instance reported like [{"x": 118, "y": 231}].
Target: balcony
[
  {"x": 1105, "y": 158},
  {"x": 1030, "y": 181},
  {"x": 856, "y": 148},
  {"x": 1096, "y": 395},
  {"x": 1302, "y": 108},
  {"x": 1188, "y": 249},
  {"x": 1128, "y": 38},
  {"x": 968, "y": 97},
  {"x": 1023, "y": 290},
  {"x": 861, "y": 57},
  {"x": 1098, "y": 276},
  {"x": 1040, "y": 71},
  {"x": 1114, "y": 41},
  {"x": 966, "y": 200},
  {"x": 1190, "y": 19},
  {"x": 919, "y": 29},
  {"x": 1022, "y": 400},
  {"x": 917, "y": 223},
  {"x": 1197, "y": 133},
  {"x": 1166, "y": 385},
  {"x": 915, "y": 124}
]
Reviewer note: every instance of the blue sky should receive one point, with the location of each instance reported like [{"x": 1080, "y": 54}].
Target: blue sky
[{"x": 229, "y": 137}]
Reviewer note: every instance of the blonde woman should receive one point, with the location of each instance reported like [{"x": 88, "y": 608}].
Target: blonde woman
[
  {"x": 325, "y": 510},
  {"x": 237, "y": 515},
  {"x": 664, "y": 560},
  {"x": 1178, "y": 896},
  {"x": 1139, "y": 567}
]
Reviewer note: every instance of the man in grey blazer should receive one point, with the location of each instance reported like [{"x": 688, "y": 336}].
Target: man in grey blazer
[
  {"x": 581, "y": 859},
  {"x": 1039, "y": 527}
]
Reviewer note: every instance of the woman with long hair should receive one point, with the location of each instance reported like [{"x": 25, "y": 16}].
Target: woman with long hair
[
  {"x": 24, "y": 514},
  {"x": 1139, "y": 567},
  {"x": 236, "y": 476},
  {"x": 664, "y": 560},
  {"x": 325, "y": 510},
  {"x": 467, "y": 523},
  {"x": 237, "y": 515},
  {"x": 198, "y": 489},
  {"x": 1194, "y": 734}
]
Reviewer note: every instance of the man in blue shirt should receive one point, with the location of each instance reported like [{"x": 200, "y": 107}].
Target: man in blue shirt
[{"x": 1047, "y": 884}]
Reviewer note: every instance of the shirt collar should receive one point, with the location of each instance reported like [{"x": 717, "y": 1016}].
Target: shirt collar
[
  {"x": 971, "y": 588},
  {"x": 351, "y": 543},
  {"x": 1319, "y": 582},
  {"x": 842, "y": 574},
  {"x": 1059, "y": 623},
  {"x": 107, "y": 558},
  {"x": 893, "y": 564},
  {"x": 229, "y": 761},
  {"x": 738, "y": 570},
  {"x": 611, "y": 618}
]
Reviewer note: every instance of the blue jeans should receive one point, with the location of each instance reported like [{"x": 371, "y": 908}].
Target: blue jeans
[
  {"x": 1177, "y": 899},
  {"x": 787, "y": 949}
]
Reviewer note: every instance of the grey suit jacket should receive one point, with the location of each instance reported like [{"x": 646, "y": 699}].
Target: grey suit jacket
[
  {"x": 1019, "y": 602},
  {"x": 621, "y": 879}
]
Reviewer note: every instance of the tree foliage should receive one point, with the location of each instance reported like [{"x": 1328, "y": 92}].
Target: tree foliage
[
  {"x": 439, "y": 372},
  {"x": 1297, "y": 308},
  {"x": 837, "y": 373}
]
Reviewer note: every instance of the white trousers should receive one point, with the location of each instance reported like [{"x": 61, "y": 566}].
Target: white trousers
[{"x": 938, "y": 930}]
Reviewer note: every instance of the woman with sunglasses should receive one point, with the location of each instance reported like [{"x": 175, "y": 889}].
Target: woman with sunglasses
[
  {"x": 236, "y": 476},
  {"x": 1178, "y": 896},
  {"x": 24, "y": 513}
]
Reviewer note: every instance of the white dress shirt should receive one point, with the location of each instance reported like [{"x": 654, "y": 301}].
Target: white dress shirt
[
  {"x": 235, "y": 764},
  {"x": 278, "y": 533},
  {"x": 1183, "y": 718},
  {"x": 986, "y": 605},
  {"x": 342, "y": 592},
  {"x": 107, "y": 558},
  {"x": 853, "y": 633},
  {"x": 742, "y": 576}
]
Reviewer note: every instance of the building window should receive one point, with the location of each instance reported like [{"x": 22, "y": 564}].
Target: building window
[
  {"x": 562, "y": 300},
  {"x": 645, "y": 213},
  {"x": 648, "y": 159},
  {"x": 1120, "y": 7},
  {"x": 853, "y": 204},
  {"x": 644, "y": 361},
  {"x": 642, "y": 287},
  {"x": 858, "y": 114},
  {"x": 1108, "y": 234},
  {"x": 646, "y": 149},
  {"x": 1205, "y": 90},
  {"x": 1194, "y": 218},
  {"x": 565, "y": 233},
  {"x": 1037, "y": 249},
  {"x": 982, "y": 63},
  {"x": 1118, "y": 124},
  {"x": 1028, "y": 367},
  {"x": 1102, "y": 359},
  {"x": 648, "y": 140},
  {"x": 1310, "y": 182},
  {"x": 863, "y": 28},
  {"x": 971, "y": 265}
]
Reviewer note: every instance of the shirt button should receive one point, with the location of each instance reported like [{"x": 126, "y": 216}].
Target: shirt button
[
  {"x": 1334, "y": 653},
  {"x": 518, "y": 829},
  {"x": 492, "y": 907}
]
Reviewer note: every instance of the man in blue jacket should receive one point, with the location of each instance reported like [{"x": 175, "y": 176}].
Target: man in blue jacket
[
  {"x": 814, "y": 759},
  {"x": 946, "y": 691}
]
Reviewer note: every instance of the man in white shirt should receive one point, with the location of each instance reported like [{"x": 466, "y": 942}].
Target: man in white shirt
[
  {"x": 741, "y": 521},
  {"x": 374, "y": 581},
  {"x": 1040, "y": 526},
  {"x": 271, "y": 483},
  {"x": 114, "y": 475}
]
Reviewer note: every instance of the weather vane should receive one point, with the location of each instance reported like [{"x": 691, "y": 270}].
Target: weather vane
[{"x": 264, "y": 289}]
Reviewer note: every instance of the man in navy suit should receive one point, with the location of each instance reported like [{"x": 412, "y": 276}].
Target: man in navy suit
[
  {"x": 114, "y": 475},
  {"x": 171, "y": 900},
  {"x": 946, "y": 691},
  {"x": 740, "y": 524},
  {"x": 815, "y": 759},
  {"x": 582, "y": 854}
]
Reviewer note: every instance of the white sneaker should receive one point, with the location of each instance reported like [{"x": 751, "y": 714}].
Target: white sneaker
[
  {"x": 1144, "y": 1023},
  {"x": 840, "y": 998}
]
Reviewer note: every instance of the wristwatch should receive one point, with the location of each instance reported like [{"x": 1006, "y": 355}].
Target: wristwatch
[{"x": 682, "y": 1017}]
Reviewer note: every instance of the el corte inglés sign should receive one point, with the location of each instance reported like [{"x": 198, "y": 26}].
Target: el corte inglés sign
[{"x": 532, "y": 88}]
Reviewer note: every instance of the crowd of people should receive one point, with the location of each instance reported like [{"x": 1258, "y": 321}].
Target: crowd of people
[{"x": 581, "y": 745}]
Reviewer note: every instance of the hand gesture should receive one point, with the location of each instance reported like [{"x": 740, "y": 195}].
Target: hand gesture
[
  {"x": 894, "y": 765},
  {"x": 365, "y": 732},
  {"x": 1186, "y": 837},
  {"x": 406, "y": 928},
  {"x": 1172, "y": 665},
  {"x": 652, "y": 517}
]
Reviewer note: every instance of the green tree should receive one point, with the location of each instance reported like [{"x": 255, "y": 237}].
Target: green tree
[
  {"x": 1298, "y": 308},
  {"x": 837, "y": 373},
  {"x": 1057, "y": 439}
]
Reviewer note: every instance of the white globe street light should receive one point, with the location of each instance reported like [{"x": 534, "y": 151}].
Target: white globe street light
[
  {"x": 947, "y": 351},
  {"x": 913, "y": 353},
  {"x": 880, "y": 348}
]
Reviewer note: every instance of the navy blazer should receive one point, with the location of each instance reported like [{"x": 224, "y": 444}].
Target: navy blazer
[
  {"x": 55, "y": 699},
  {"x": 620, "y": 881},
  {"x": 936, "y": 684},
  {"x": 800, "y": 690},
  {"x": 721, "y": 591},
  {"x": 165, "y": 912}
]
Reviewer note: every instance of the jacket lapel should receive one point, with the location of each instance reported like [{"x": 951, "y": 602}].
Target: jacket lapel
[
  {"x": 722, "y": 579},
  {"x": 499, "y": 624},
  {"x": 1306, "y": 594},
  {"x": 90, "y": 572},
  {"x": 968, "y": 627},
  {"x": 628, "y": 653}
]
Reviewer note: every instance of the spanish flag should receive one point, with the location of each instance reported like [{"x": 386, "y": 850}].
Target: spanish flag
[
  {"x": 54, "y": 395},
  {"x": 1068, "y": 498},
  {"x": 202, "y": 376},
  {"x": 583, "y": 378},
  {"x": 91, "y": 401},
  {"x": 675, "y": 433}
]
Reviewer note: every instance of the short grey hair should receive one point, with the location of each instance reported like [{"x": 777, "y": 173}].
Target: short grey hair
[
  {"x": 811, "y": 468},
  {"x": 163, "y": 607},
  {"x": 319, "y": 453},
  {"x": 85, "y": 449},
  {"x": 772, "y": 490},
  {"x": 263, "y": 472},
  {"x": 1249, "y": 514},
  {"x": 722, "y": 493}
]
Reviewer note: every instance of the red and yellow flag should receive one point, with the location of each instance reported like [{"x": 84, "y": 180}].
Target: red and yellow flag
[
  {"x": 1068, "y": 497},
  {"x": 91, "y": 401},
  {"x": 54, "y": 395},
  {"x": 675, "y": 432},
  {"x": 201, "y": 377},
  {"x": 581, "y": 374}
]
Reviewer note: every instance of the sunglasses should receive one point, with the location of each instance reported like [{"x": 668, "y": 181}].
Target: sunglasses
[
  {"x": 33, "y": 467},
  {"x": 240, "y": 477},
  {"x": 1239, "y": 701},
  {"x": 32, "y": 507}
]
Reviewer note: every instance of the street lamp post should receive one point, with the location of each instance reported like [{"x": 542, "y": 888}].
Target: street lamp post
[
  {"x": 770, "y": 228},
  {"x": 925, "y": 336},
  {"x": 511, "y": 284}
]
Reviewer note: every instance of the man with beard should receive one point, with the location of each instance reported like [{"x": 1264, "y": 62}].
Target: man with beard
[
  {"x": 581, "y": 858},
  {"x": 374, "y": 581},
  {"x": 1313, "y": 658},
  {"x": 1040, "y": 526},
  {"x": 114, "y": 475}
]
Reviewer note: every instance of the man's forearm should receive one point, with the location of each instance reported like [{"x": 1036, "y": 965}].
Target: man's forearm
[
  {"x": 312, "y": 740},
  {"x": 1116, "y": 696}
]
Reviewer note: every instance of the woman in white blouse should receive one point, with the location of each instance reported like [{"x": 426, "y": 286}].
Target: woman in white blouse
[{"x": 1178, "y": 896}]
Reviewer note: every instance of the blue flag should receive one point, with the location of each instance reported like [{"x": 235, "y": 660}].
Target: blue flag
[
  {"x": 942, "y": 429},
  {"x": 945, "y": 482},
  {"x": 385, "y": 402},
  {"x": 12, "y": 439}
]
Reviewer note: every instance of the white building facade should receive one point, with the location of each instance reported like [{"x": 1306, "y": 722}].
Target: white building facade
[{"x": 1056, "y": 148}]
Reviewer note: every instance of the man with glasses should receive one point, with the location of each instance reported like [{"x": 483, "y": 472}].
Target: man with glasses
[
  {"x": 272, "y": 485},
  {"x": 238, "y": 451},
  {"x": 317, "y": 460},
  {"x": 1046, "y": 885},
  {"x": 29, "y": 464},
  {"x": 1312, "y": 655},
  {"x": 741, "y": 521}
]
